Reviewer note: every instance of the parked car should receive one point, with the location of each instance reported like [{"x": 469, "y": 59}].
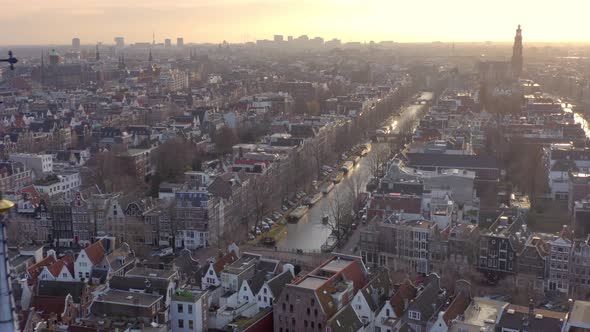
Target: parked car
[
  {"x": 265, "y": 227},
  {"x": 258, "y": 231},
  {"x": 251, "y": 237},
  {"x": 285, "y": 208},
  {"x": 364, "y": 218}
]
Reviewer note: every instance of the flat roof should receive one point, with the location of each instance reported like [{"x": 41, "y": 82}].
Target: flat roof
[
  {"x": 336, "y": 265},
  {"x": 580, "y": 312},
  {"x": 128, "y": 298},
  {"x": 311, "y": 282},
  {"x": 482, "y": 309},
  {"x": 150, "y": 273}
]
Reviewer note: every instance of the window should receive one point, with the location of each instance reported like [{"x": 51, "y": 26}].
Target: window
[
  {"x": 190, "y": 309},
  {"x": 387, "y": 312},
  {"x": 312, "y": 324},
  {"x": 64, "y": 275},
  {"x": 305, "y": 323},
  {"x": 180, "y": 324},
  {"x": 264, "y": 290},
  {"x": 293, "y": 321},
  {"x": 191, "y": 325},
  {"x": 179, "y": 308},
  {"x": 414, "y": 315},
  {"x": 290, "y": 308},
  {"x": 312, "y": 302},
  {"x": 259, "y": 299},
  {"x": 320, "y": 326}
]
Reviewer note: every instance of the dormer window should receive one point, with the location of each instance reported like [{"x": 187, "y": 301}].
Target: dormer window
[{"x": 414, "y": 315}]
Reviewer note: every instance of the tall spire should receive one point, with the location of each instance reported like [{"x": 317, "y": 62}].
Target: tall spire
[
  {"x": 97, "y": 53},
  {"x": 517, "y": 54},
  {"x": 150, "y": 58},
  {"x": 153, "y": 38},
  {"x": 42, "y": 67}
]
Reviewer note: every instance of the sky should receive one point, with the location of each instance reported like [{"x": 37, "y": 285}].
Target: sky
[{"x": 58, "y": 21}]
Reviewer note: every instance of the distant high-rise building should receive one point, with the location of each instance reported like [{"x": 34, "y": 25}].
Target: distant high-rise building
[
  {"x": 53, "y": 57},
  {"x": 290, "y": 38},
  {"x": 180, "y": 42},
  {"x": 120, "y": 41},
  {"x": 76, "y": 43},
  {"x": 517, "y": 54},
  {"x": 278, "y": 38},
  {"x": 167, "y": 42}
]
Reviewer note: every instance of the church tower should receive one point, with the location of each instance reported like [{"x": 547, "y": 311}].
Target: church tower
[{"x": 517, "y": 54}]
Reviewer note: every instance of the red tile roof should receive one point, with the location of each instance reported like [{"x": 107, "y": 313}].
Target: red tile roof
[
  {"x": 405, "y": 292},
  {"x": 228, "y": 258},
  {"x": 95, "y": 252},
  {"x": 46, "y": 305},
  {"x": 34, "y": 270},
  {"x": 457, "y": 307},
  {"x": 67, "y": 261}
]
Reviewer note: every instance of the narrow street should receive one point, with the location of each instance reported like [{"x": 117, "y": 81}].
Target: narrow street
[{"x": 309, "y": 233}]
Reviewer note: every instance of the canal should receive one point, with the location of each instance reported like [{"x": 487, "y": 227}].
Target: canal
[{"x": 309, "y": 233}]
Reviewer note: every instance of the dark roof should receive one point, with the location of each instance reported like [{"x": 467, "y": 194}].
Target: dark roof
[
  {"x": 150, "y": 286},
  {"x": 429, "y": 299},
  {"x": 62, "y": 289},
  {"x": 540, "y": 321},
  {"x": 376, "y": 291},
  {"x": 277, "y": 283},
  {"x": 345, "y": 320},
  {"x": 267, "y": 266},
  {"x": 256, "y": 282},
  {"x": 452, "y": 160}
]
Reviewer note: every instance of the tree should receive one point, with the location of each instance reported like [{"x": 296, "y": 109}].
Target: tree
[
  {"x": 317, "y": 152},
  {"x": 340, "y": 214},
  {"x": 313, "y": 107},
  {"x": 225, "y": 139},
  {"x": 261, "y": 192},
  {"x": 110, "y": 174},
  {"x": 377, "y": 157},
  {"x": 172, "y": 159}
]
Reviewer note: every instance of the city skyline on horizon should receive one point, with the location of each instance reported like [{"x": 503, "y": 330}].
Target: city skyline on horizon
[{"x": 239, "y": 21}]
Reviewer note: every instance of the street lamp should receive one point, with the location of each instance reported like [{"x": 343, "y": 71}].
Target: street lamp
[{"x": 8, "y": 320}]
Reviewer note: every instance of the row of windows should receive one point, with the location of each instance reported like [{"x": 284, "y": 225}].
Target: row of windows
[
  {"x": 180, "y": 308},
  {"x": 191, "y": 324}
]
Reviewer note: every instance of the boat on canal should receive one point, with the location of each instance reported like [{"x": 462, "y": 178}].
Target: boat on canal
[
  {"x": 313, "y": 199},
  {"x": 327, "y": 187},
  {"x": 330, "y": 244},
  {"x": 299, "y": 212}
]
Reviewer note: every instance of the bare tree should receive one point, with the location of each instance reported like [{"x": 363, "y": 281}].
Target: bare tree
[
  {"x": 340, "y": 214},
  {"x": 377, "y": 157},
  {"x": 318, "y": 155},
  {"x": 260, "y": 193},
  {"x": 110, "y": 174}
]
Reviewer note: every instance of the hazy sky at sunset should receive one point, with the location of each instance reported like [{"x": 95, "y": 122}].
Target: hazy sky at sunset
[{"x": 57, "y": 21}]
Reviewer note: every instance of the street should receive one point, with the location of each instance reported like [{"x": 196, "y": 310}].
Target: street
[{"x": 309, "y": 233}]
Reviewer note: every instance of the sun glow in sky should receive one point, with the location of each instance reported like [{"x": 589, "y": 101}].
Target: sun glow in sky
[{"x": 58, "y": 21}]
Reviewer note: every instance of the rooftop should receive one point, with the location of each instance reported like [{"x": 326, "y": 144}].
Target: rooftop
[
  {"x": 311, "y": 282},
  {"x": 128, "y": 298},
  {"x": 150, "y": 273},
  {"x": 481, "y": 310}
]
